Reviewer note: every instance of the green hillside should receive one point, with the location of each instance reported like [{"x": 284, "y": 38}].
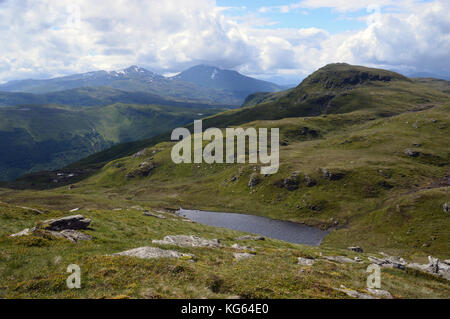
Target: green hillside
[{"x": 34, "y": 138}]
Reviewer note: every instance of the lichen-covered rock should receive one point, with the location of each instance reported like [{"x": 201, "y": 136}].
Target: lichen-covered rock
[
  {"x": 380, "y": 293},
  {"x": 153, "y": 252},
  {"x": 74, "y": 235},
  {"x": 188, "y": 241},
  {"x": 354, "y": 293},
  {"x": 305, "y": 261},
  {"x": 74, "y": 222}
]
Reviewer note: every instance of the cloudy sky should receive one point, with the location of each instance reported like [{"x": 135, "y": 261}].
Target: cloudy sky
[{"x": 263, "y": 38}]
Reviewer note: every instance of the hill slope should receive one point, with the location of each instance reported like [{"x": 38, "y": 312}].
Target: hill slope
[{"x": 34, "y": 138}]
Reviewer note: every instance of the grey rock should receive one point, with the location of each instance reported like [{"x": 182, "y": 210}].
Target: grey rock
[
  {"x": 188, "y": 241},
  {"x": 389, "y": 262},
  {"x": 150, "y": 214},
  {"x": 310, "y": 182},
  {"x": 412, "y": 153},
  {"x": 380, "y": 293},
  {"x": 141, "y": 153},
  {"x": 446, "y": 207},
  {"x": 340, "y": 259},
  {"x": 241, "y": 256},
  {"x": 291, "y": 183},
  {"x": 305, "y": 261},
  {"x": 24, "y": 232},
  {"x": 254, "y": 180},
  {"x": 356, "y": 249},
  {"x": 74, "y": 222},
  {"x": 332, "y": 176},
  {"x": 250, "y": 237},
  {"x": 74, "y": 235},
  {"x": 358, "y": 260},
  {"x": 152, "y": 252},
  {"x": 354, "y": 293}
]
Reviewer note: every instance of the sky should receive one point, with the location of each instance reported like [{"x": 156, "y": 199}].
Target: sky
[{"x": 277, "y": 40}]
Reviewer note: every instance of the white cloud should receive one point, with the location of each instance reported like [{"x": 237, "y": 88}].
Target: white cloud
[{"x": 42, "y": 38}]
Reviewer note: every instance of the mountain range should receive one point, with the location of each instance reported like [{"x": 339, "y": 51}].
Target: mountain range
[{"x": 199, "y": 84}]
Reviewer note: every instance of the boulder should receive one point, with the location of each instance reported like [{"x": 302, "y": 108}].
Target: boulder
[
  {"x": 188, "y": 241},
  {"x": 74, "y": 222},
  {"x": 254, "y": 180},
  {"x": 305, "y": 261},
  {"x": 412, "y": 153},
  {"x": 241, "y": 256},
  {"x": 332, "y": 176},
  {"x": 446, "y": 207},
  {"x": 153, "y": 252},
  {"x": 356, "y": 249}
]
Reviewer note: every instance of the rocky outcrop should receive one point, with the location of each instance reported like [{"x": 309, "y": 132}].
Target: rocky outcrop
[
  {"x": 291, "y": 183},
  {"x": 153, "y": 252},
  {"x": 434, "y": 266},
  {"x": 356, "y": 249},
  {"x": 74, "y": 222},
  {"x": 144, "y": 169},
  {"x": 380, "y": 293},
  {"x": 389, "y": 262},
  {"x": 188, "y": 241},
  {"x": 65, "y": 227}
]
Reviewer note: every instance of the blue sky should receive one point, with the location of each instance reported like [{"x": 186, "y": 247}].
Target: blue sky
[{"x": 325, "y": 18}]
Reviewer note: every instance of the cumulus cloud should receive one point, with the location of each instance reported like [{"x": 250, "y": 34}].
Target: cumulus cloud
[{"x": 43, "y": 38}]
